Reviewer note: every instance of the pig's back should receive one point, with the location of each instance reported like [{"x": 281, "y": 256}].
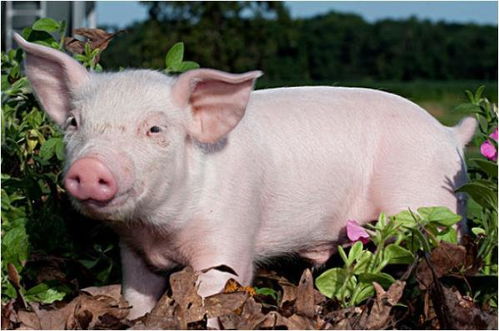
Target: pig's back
[{"x": 313, "y": 152}]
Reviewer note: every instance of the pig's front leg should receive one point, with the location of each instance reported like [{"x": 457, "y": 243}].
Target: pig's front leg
[
  {"x": 140, "y": 286},
  {"x": 229, "y": 253},
  {"x": 229, "y": 250}
]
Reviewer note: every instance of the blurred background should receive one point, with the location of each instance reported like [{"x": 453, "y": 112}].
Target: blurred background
[{"x": 429, "y": 52}]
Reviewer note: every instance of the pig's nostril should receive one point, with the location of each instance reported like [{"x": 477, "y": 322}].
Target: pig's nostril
[
  {"x": 103, "y": 182},
  {"x": 76, "y": 179}
]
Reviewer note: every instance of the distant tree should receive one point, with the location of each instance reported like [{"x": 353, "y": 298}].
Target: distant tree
[{"x": 238, "y": 36}]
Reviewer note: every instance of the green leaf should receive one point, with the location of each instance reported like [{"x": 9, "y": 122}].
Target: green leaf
[
  {"x": 448, "y": 235},
  {"x": 59, "y": 149},
  {"x": 440, "y": 215},
  {"x": 48, "y": 148},
  {"x": 396, "y": 254},
  {"x": 15, "y": 245},
  {"x": 363, "y": 263},
  {"x": 9, "y": 290},
  {"x": 266, "y": 291},
  {"x": 46, "y": 24},
  {"x": 382, "y": 278},
  {"x": 423, "y": 243},
  {"x": 89, "y": 264},
  {"x": 355, "y": 252},
  {"x": 478, "y": 231},
  {"x": 43, "y": 293},
  {"x": 468, "y": 108},
  {"x": 343, "y": 255},
  {"x": 490, "y": 168},
  {"x": 330, "y": 282},
  {"x": 367, "y": 291},
  {"x": 405, "y": 218},
  {"x": 174, "y": 56},
  {"x": 187, "y": 65},
  {"x": 39, "y": 37},
  {"x": 482, "y": 194},
  {"x": 479, "y": 92},
  {"x": 470, "y": 96}
]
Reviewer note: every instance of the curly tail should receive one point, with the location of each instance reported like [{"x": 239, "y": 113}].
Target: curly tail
[{"x": 465, "y": 130}]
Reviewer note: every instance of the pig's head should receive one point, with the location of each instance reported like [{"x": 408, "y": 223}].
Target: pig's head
[{"x": 128, "y": 134}]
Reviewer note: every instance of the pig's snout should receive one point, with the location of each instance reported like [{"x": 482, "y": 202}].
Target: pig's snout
[{"x": 89, "y": 178}]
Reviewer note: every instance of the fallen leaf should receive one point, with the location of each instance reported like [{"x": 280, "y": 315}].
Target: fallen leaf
[
  {"x": 99, "y": 311},
  {"x": 163, "y": 316},
  {"x": 305, "y": 296},
  {"x": 97, "y": 38},
  {"x": 224, "y": 303},
  {"x": 113, "y": 291},
  {"x": 9, "y": 315},
  {"x": 461, "y": 313},
  {"x": 233, "y": 286},
  {"x": 379, "y": 313},
  {"x": 444, "y": 258},
  {"x": 184, "y": 292}
]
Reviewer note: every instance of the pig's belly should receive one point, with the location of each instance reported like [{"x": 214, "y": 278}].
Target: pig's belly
[{"x": 305, "y": 210}]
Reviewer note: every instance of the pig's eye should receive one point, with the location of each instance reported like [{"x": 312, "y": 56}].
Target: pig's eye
[{"x": 154, "y": 129}]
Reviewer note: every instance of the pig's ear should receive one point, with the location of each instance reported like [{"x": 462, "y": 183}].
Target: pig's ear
[
  {"x": 53, "y": 75},
  {"x": 217, "y": 100}
]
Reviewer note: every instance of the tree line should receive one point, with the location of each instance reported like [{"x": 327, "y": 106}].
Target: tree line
[{"x": 242, "y": 36}]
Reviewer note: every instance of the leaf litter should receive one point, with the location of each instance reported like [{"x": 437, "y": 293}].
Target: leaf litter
[{"x": 296, "y": 306}]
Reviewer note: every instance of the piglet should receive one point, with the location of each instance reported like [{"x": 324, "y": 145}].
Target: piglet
[{"x": 201, "y": 170}]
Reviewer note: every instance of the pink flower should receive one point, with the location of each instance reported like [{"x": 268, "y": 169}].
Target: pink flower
[
  {"x": 493, "y": 135},
  {"x": 488, "y": 149},
  {"x": 356, "y": 232}
]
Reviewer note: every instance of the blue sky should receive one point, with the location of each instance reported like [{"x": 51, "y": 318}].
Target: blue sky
[{"x": 122, "y": 13}]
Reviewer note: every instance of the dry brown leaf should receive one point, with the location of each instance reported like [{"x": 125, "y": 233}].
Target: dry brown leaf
[
  {"x": 9, "y": 316},
  {"x": 113, "y": 291},
  {"x": 99, "y": 311},
  {"x": 97, "y": 38},
  {"x": 28, "y": 320},
  {"x": 53, "y": 319},
  {"x": 340, "y": 319},
  {"x": 163, "y": 316},
  {"x": 305, "y": 296},
  {"x": 273, "y": 320},
  {"x": 443, "y": 259},
  {"x": 184, "y": 292},
  {"x": 462, "y": 313},
  {"x": 251, "y": 315},
  {"x": 379, "y": 313},
  {"x": 233, "y": 286},
  {"x": 224, "y": 303}
]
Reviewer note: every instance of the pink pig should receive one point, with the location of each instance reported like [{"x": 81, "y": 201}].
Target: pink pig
[{"x": 201, "y": 170}]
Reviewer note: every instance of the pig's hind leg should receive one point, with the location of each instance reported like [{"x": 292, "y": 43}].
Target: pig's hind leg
[{"x": 424, "y": 189}]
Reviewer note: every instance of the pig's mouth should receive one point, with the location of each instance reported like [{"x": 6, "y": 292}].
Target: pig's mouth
[{"x": 97, "y": 207}]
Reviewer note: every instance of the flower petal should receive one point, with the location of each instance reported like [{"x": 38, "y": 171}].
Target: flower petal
[
  {"x": 356, "y": 232},
  {"x": 488, "y": 150},
  {"x": 493, "y": 135}
]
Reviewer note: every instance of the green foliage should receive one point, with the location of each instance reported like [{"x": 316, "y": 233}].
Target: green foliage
[
  {"x": 482, "y": 185},
  {"x": 268, "y": 292},
  {"x": 174, "y": 60},
  {"x": 240, "y": 36},
  {"x": 398, "y": 240}
]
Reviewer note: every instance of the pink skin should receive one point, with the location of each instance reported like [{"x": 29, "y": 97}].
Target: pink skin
[
  {"x": 230, "y": 176},
  {"x": 90, "y": 179}
]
